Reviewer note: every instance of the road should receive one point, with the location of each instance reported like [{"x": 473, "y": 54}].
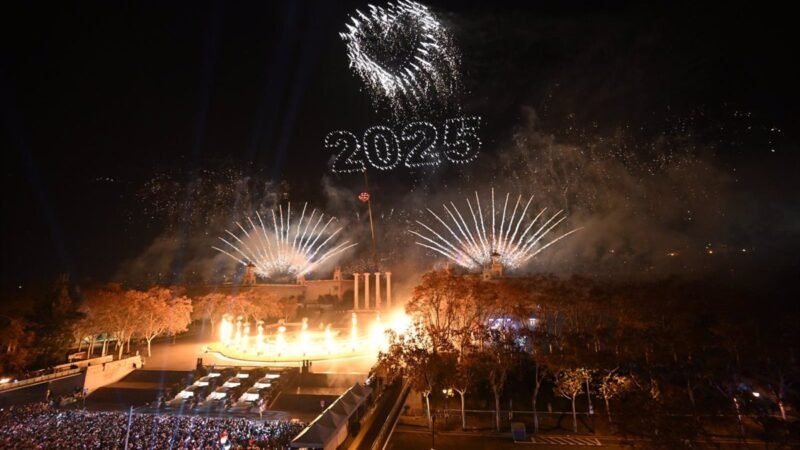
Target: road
[
  {"x": 404, "y": 439},
  {"x": 416, "y": 438}
]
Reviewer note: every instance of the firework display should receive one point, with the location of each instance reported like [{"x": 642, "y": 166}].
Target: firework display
[
  {"x": 289, "y": 249},
  {"x": 420, "y": 144},
  {"x": 404, "y": 56},
  {"x": 511, "y": 237}
]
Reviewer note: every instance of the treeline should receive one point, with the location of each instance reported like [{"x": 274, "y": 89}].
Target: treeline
[
  {"x": 38, "y": 329},
  {"x": 35, "y": 326},
  {"x": 118, "y": 314},
  {"x": 250, "y": 305},
  {"x": 668, "y": 351}
]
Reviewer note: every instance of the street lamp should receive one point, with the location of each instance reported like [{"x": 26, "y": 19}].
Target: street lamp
[
  {"x": 443, "y": 412},
  {"x": 434, "y": 415},
  {"x": 447, "y": 394},
  {"x": 433, "y": 431}
]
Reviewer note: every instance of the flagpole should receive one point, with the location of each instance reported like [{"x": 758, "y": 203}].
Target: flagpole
[
  {"x": 128, "y": 433},
  {"x": 371, "y": 226}
]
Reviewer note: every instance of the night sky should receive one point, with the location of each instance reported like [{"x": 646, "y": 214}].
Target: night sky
[{"x": 100, "y": 97}]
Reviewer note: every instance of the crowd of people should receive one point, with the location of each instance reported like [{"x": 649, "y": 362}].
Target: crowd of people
[{"x": 38, "y": 426}]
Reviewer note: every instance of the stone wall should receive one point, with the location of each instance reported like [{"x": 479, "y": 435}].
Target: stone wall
[{"x": 100, "y": 375}]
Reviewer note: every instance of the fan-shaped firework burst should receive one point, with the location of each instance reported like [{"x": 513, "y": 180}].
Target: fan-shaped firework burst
[
  {"x": 286, "y": 249},
  {"x": 404, "y": 54},
  {"x": 471, "y": 243}
]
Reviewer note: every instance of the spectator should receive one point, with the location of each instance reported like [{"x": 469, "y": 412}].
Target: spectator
[{"x": 37, "y": 427}]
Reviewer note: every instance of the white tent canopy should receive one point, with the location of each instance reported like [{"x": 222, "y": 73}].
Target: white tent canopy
[
  {"x": 313, "y": 436},
  {"x": 329, "y": 429}
]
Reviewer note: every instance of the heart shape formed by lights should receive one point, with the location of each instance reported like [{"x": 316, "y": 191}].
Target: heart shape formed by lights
[{"x": 402, "y": 53}]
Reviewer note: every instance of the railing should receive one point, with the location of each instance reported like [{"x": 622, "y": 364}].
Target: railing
[
  {"x": 11, "y": 385},
  {"x": 391, "y": 419},
  {"x": 85, "y": 362}
]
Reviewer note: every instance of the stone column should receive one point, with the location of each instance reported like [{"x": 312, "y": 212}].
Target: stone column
[
  {"x": 388, "y": 290},
  {"x": 366, "y": 290},
  {"x": 377, "y": 290},
  {"x": 355, "y": 291}
]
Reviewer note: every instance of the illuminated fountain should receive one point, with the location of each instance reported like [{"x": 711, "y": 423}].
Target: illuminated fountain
[
  {"x": 225, "y": 330},
  {"x": 238, "y": 339},
  {"x": 378, "y": 331},
  {"x": 294, "y": 342},
  {"x": 353, "y": 332},
  {"x": 304, "y": 336},
  {"x": 280, "y": 340},
  {"x": 260, "y": 336},
  {"x": 329, "y": 343}
]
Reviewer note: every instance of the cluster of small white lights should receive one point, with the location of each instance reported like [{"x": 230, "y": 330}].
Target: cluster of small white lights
[
  {"x": 287, "y": 249},
  {"x": 347, "y": 159},
  {"x": 401, "y": 51},
  {"x": 463, "y": 135},
  {"x": 422, "y": 137},
  {"x": 472, "y": 244},
  {"x": 418, "y": 145},
  {"x": 382, "y": 147}
]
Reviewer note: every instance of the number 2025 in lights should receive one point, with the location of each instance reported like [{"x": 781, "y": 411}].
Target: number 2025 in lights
[{"x": 420, "y": 144}]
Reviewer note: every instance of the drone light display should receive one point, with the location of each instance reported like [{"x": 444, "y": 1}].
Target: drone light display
[{"x": 420, "y": 144}]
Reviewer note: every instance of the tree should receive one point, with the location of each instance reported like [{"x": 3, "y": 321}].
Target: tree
[
  {"x": 180, "y": 315},
  {"x": 210, "y": 308},
  {"x": 777, "y": 387},
  {"x": 159, "y": 311},
  {"x": 80, "y": 330},
  {"x": 472, "y": 311},
  {"x": 423, "y": 365},
  {"x": 462, "y": 378},
  {"x": 777, "y": 368},
  {"x": 538, "y": 359},
  {"x": 249, "y": 304},
  {"x": 122, "y": 318},
  {"x": 111, "y": 310},
  {"x": 569, "y": 384},
  {"x": 540, "y": 372},
  {"x": 435, "y": 304},
  {"x": 729, "y": 388},
  {"x": 97, "y": 306},
  {"x": 500, "y": 357},
  {"x": 12, "y": 334},
  {"x": 283, "y": 308},
  {"x": 16, "y": 340},
  {"x": 611, "y": 385},
  {"x": 657, "y": 428}
]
